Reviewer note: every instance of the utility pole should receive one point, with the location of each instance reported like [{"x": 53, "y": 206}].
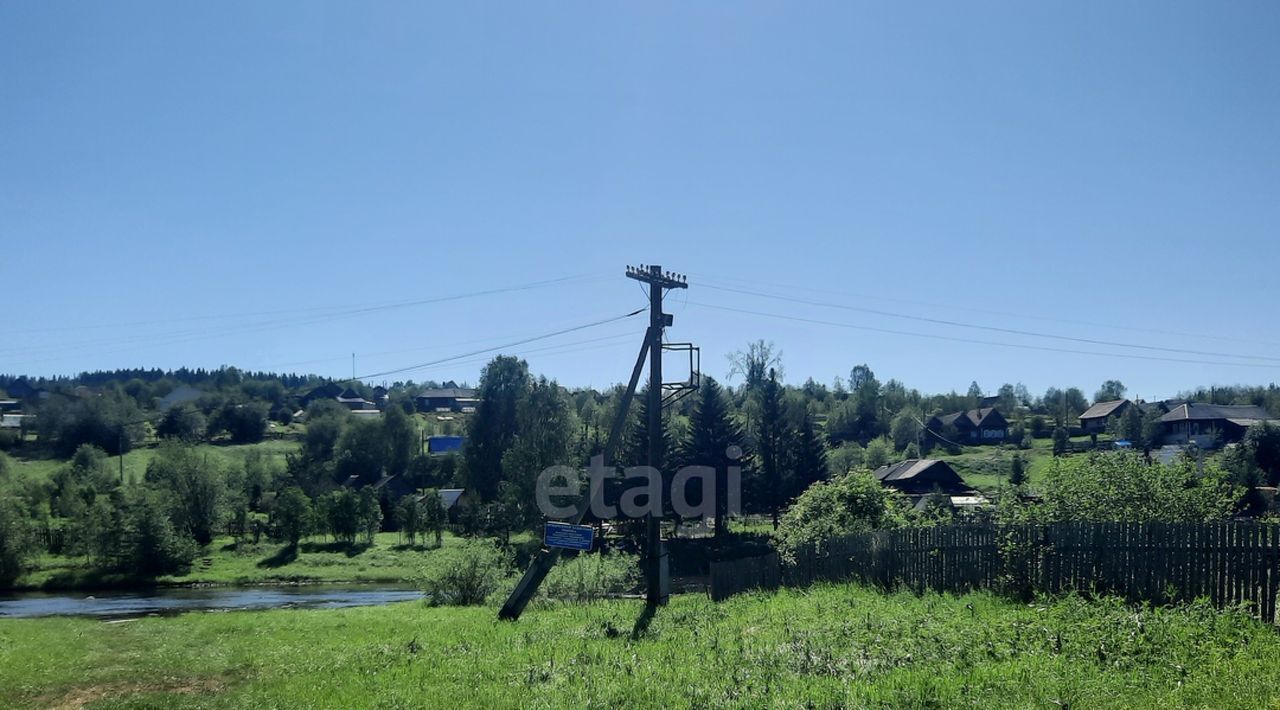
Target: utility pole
[
  {"x": 657, "y": 580},
  {"x": 655, "y": 560}
]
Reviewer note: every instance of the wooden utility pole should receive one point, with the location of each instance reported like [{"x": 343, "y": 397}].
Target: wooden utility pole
[
  {"x": 655, "y": 560},
  {"x": 656, "y": 577}
]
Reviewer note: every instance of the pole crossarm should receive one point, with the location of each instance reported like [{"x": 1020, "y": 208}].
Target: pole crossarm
[{"x": 655, "y": 276}]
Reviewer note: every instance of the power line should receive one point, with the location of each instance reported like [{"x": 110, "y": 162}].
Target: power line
[
  {"x": 1008, "y": 314},
  {"x": 483, "y": 351},
  {"x": 957, "y": 339},
  {"x": 311, "y": 309},
  {"x": 133, "y": 342},
  {"x": 991, "y": 328}
]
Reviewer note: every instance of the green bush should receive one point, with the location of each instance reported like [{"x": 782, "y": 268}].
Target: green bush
[
  {"x": 150, "y": 543},
  {"x": 853, "y": 503},
  {"x": 465, "y": 574},
  {"x": 1121, "y": 486},
  {"x": 16, "y": 540},
  {"x": 844, "y": 458}
]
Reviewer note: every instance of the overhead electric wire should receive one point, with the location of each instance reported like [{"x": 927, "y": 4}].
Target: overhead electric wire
[
  {"x": 990, "y": 328},
  {"x": 133, "y": 342},
  {"x": 504, "y": 346},
  {"x": 557, "y": 349},
  {"x": 337, "y": 308},
  {"x": 347, "y": 358},
  {"x": 703, "y": 280},
  {"x": 957, "y": 339}
]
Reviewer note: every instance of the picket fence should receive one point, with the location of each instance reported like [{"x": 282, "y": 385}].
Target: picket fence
[{"x": 1228, "y": 563}]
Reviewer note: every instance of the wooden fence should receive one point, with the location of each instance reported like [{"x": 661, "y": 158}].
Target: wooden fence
[
  {"x": 737, "y": 576},
  {"x": 1228, "y": 563}
]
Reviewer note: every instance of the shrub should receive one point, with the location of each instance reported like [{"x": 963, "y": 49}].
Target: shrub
[
  {"x": 876, "y": 454},
  {"x": 853, "y": 503},
  {"x": 183, "y": 422},
  {"x": 1061, "y": 441},
  {"x": 196, "y": 490},
  {"x": 16, "y": 540},
  {"x": 844, "y": 458},
  {"x": 590, "y": 577},
  {"x": 1122, "y": 486},
  {"x": 244, "y": 423},
  {"x": 465, "y": 574},
  {"x": 151, "y": 544},
  {"x": 1017, "y": 472}
]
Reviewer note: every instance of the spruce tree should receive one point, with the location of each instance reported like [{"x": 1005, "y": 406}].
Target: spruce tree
[
  {"x": 712, "y": 431},
  {"x": 773, "y": 446},
  {"x": 809, "y": 453}
]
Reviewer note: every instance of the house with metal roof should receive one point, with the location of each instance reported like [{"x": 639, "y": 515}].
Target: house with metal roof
[
  {"x": 922, "y": 476},
  {"x": 985, "y": 425},
  {"x": 919, "y": 479},
  {"x": 1206, "y": 425},
  {"x": 1095, "y": 418},
  {"x": 351, "y": 399},
  {"x": 447, "y": 399}
]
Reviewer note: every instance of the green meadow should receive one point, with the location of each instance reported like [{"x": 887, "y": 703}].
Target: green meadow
[{"x": 829, "y": 646}]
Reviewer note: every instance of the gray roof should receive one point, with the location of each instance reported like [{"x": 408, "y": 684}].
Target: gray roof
[
  {"x": 1237, "y": 413},
  {"x": 904, "y": 470},
  {"x": 180, "y": 395},
  {"x": 974, "y": 416},
  {"x": 449, "y": 496},
  {"x": 1101, "y": 410},
  {"x": 449, "y": 393}
]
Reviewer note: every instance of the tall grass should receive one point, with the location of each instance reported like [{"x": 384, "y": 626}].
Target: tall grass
[{"x": 827, "y": 646}]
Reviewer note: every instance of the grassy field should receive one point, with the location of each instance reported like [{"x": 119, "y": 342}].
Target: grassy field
[
  {"x": 825, "y": 647},
  {"x": 316, "y": 560},
  {"x": 987, "y": 467},
  {"x": 135, "y": 462},
  {"x": 224, "y": 562}
]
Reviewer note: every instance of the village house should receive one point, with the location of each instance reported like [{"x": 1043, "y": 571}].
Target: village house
[
  {"x": 919, "y": 479},
  {"x": 455, "y": 502},
  {"x": 1207, "y": 425},
  {"x": 976, "y": 426},
  {"x": 329, "y": 390},
  {"x": 352, "y": 400},
  {"x": 447, "y": 399},
  {"x": 1095, "y": 418}
]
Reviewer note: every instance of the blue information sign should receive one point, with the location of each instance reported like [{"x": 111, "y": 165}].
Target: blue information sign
[{"x": 569, "y": 537}]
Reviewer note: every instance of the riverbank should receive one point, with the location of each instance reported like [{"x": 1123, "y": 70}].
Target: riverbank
[
  {"x": 159, "y": 602},
  {"x": 227, "y": 563},
  {"x": 837, "y": 645}
]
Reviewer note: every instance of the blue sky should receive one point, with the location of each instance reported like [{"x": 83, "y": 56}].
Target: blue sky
[{"x": 224, "y": 183}]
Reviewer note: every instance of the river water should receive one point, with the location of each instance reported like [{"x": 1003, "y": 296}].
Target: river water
[{"x": 167, "y": 600}]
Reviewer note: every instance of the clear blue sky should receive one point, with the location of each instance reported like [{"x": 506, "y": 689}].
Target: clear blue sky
[{"x": 1011, "y": 165}]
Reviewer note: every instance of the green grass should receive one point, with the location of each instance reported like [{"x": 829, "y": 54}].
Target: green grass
[
  {"x": 38, "y": 464},
  {"x": 987, "y": 467},
  {"x": 223, "y": 562},
  {"x": 831, "y": 646},
  {"x": 317, "y": 560}
]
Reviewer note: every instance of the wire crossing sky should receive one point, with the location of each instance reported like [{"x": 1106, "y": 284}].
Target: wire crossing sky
[{"x": 1049, "y": 193}]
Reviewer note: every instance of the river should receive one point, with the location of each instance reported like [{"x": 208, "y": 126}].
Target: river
[{"x": 174, "y": 600}]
